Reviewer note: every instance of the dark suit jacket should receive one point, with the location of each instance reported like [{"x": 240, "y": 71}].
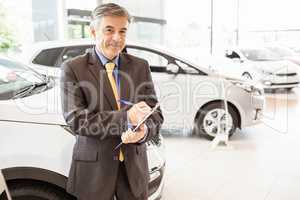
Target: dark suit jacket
[{"x": 90, "y": 109}]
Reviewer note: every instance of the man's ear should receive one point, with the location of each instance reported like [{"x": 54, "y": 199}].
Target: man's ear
[{"x": 93, "y": 32}]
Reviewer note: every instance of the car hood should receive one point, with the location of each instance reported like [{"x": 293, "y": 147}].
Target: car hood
[
  {"x": 294, "y": 59},
  {"x": 230, "y": 78},
  {"x": 282, "y": 66},
  {"x": 233, "y": 80},
  {"x": 41, "y": 108}
]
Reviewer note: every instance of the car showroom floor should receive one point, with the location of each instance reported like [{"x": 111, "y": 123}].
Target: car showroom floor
[{"x": 264, "y": 164}]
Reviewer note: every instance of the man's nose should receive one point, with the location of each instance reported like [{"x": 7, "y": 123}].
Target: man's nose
[{"x": 116, "y": 36}]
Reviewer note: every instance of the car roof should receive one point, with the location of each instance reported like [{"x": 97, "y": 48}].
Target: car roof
[
  {"x": 88, "y": 41},
  {"x": 37, "y": 47},
  {"x": 60, "y": 43}
]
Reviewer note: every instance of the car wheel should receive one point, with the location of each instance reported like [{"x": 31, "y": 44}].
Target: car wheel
[
  {"x": 36, "y": 191},
  {"x": 207, "y": 123},
  {"x": 247, "y": 76}
]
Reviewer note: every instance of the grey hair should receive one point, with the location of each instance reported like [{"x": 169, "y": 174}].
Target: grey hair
[{"x": 109, "y": 9}]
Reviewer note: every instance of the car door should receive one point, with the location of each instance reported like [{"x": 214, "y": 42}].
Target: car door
[{"x": 174, "y": 81}]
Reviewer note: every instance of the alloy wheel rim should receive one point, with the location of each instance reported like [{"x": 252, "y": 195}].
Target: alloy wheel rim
[
  {"x": 247, "y": 76},
  {"x": 215, "y": 121}
]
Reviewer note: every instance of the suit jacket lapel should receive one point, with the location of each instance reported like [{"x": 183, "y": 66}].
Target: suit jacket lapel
[
  {"x": 100, "y": 75},
  {"x": 126, "y": 81}
]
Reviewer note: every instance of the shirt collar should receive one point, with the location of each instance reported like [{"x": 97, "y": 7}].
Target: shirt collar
[{"x": 104, "y": 60}]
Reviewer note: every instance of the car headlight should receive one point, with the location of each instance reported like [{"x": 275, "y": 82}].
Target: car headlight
[
  {"x": 267, "y": 73},
  {"x": 267, "y": 82},
  {"x": 256, "y": 90}
]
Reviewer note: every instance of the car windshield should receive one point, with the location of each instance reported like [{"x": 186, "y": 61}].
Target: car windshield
[
  {"x": 260, "y": 54},
  {"x": 281, "y": 51},
  {"x": 15, "y": 77}
]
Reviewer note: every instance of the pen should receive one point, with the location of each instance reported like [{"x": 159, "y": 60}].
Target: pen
[{"x": 126, "y": 102}]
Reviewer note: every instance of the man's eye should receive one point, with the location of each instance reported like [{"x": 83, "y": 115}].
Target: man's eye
[{"x": 108, "y": 30}]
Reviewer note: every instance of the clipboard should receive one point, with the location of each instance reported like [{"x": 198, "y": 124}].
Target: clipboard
[{"x": 141, "y": 122}]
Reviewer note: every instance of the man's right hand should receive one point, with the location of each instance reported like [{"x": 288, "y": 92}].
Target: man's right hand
[{"x": 137, "y": 112}]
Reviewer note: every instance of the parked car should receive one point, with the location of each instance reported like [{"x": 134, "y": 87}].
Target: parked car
[
  {"x": 196, "y": 103},
  {"x": 264, "y": 66},
  {"x": 35, "y": 143}
]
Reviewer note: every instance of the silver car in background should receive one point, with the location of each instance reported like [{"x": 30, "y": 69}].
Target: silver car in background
[
  {"x": 193, "y": 94},
  {"x": 264, "y": 66}
]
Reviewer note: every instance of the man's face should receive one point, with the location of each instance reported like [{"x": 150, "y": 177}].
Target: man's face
[{"x": 110, "y": 35}]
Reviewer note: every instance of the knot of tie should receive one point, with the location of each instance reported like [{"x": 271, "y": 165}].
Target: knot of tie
[{"x": 110, "y": 67}]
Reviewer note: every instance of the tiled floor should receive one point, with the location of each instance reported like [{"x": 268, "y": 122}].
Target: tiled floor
[{"x": 264, "y": 164}]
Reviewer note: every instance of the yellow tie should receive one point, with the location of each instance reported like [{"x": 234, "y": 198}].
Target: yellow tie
[{"x": 109, "y": 70}]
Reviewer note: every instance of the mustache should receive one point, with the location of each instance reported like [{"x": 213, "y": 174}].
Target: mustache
[{"x": 114, "y": 44}]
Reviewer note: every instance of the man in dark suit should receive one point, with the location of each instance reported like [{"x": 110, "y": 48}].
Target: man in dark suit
[{"x": 93, "y": 87}]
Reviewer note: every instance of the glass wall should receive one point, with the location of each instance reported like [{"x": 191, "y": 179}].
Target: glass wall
[{"x": 191, "y": 28}]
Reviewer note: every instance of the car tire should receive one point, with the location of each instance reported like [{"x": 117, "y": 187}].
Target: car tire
[
  {"x": 36, "y": 191},
  {"x": 203, "y": 121}
]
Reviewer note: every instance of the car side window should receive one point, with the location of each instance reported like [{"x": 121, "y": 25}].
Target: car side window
[
  {"x": 71, "y": 52},
  {"x": 187, "y": 69},
  {"x": 232, "y": 55},
  {"x": 157, "y": 62},
  {"x": 48, "y": 57}
]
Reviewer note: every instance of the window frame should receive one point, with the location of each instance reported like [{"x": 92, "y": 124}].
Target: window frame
[{"x": 170, "y": 60}]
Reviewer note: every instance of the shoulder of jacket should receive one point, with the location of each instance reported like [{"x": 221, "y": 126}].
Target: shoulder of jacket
[{"x": 136, "y": 59}]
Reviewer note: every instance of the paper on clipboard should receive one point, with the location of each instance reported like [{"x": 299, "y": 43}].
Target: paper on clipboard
[{"x": 146, "y": 117}]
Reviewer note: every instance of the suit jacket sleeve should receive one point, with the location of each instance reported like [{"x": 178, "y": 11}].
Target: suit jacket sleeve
[
  {"x": 82, "y": 120},
  {"x": 156, "y": 119}
]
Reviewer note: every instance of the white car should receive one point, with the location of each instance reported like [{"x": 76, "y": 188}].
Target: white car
[
  {"x": 264, "y": 66},
  {"x": 196, "y": 96},
  {"x": 36, "y": 145}
]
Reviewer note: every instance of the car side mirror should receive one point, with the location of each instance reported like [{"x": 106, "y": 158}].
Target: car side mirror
[{"x": 172, "y": 68}]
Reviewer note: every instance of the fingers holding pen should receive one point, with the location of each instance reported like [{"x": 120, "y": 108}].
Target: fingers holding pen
[{"x": 138, "y": 111}]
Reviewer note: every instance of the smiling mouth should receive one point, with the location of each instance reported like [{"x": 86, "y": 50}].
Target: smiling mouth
[{"x": 115, "y": 47}]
